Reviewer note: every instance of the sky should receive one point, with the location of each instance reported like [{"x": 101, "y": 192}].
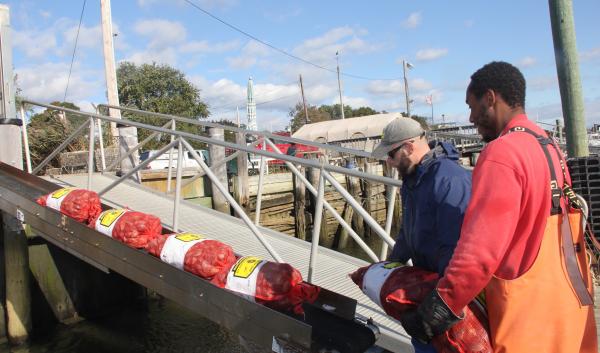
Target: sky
[{"x": 444, "y": 41}]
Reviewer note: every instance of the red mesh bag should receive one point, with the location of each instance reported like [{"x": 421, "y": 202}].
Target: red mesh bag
[
  {"x": 79, "y": 204},
  {"x": 398, "y": 288},
  {"x": 133, "y": 228},
  {"x": 193, "y": 253},
  {"x": 276, "y": 285}
]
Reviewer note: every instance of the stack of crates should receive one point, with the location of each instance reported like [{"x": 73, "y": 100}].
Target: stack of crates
[{"x": 585, "y": 175}]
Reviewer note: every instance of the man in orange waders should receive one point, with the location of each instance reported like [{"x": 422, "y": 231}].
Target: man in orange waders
[{"x": 521, "y": 242}]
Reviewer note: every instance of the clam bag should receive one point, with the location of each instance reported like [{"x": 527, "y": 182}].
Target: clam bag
[
  {"x": 193, "y": 253},
  {"x": 133, "y": 228},
  {"x": 276, "y": 285},
  {"x": 398, "y": 288},
  {"x": 79, "y": 204}
]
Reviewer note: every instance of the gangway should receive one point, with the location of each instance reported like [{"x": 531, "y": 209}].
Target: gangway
[{"x": 318, "y": 265}]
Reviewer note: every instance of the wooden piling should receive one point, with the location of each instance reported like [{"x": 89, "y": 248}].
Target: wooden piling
[
  {"x": 299, "y": 205},
  {"x": 368, "y": 193},
  {"x": 353, "y": 186},
  {"x": 217, "y": 153},
  {"x": 240, "y": 181},
  {"x": 342, "y": 240},
  {"x": 18, "y": 293}
]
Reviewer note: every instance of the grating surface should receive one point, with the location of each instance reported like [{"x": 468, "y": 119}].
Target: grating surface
[{"x": 332, "y": 268}]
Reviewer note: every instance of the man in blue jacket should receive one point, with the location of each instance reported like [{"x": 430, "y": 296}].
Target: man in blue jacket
[{"x": 435, "y": 193}]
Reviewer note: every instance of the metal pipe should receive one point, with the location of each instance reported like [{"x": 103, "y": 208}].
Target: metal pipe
[
  {"x": 178, "y": 185},
  {"x": 135, "y": 170},
  {"x": 101, "y": 140},
  {"x": 314, "y": 248},
  {"x": 213, "y": 166},
  {"x": 92, "y": 138},
  {"x": 373, "y": 223},
  {"x": 64, "y": 144},
  {"x": 260, "y": 185},
  {"x": 240, "y": 211},
  {"x": 169, "y": 173},
  {"x": 249, "y": 132},
  {"x": 328, "y": 206},
  {"x": 135, "y": 148},
  {"x": 25, "y": 139},
  {"x": 389, "y": 215},
  {"x": 302, "y": 161}
]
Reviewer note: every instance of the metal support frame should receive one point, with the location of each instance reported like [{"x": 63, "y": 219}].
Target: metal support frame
[
  {"x": 213, "y": 178},
  {"x": 177, "y": 185},
  {"x": 316, "y": 233},
  {"x": 62, "y": 146},
  {"x": 170, "y": 166},
  {"x": 328, "y": 206},
  {"x": 101, "y": 141},
  {"x": 260, "y": 184},
  {"x": 136, "y": 169},
  {"x": 389, "y": 217},
  {"x": 135, "y": 148},
  {"x": 90, "y": 166},
  {"x": 373, "y": 223},
  {"x": 25, "y": 138}
]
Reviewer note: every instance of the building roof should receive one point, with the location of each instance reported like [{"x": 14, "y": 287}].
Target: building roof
[{"x": 352, "y": 128}]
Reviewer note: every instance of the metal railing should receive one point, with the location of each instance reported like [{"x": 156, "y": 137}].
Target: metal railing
[{"x": 181, "y": 139}]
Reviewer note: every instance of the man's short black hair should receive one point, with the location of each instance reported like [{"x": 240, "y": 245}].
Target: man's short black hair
[{"x": 502, "y": 78}]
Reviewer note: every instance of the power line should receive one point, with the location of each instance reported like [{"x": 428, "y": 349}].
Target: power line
[
  {"x": 74, "y": 49},
  {"x": 285, "y": 52}
]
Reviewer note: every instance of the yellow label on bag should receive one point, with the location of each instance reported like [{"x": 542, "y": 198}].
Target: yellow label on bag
[
  {"x": 60, "y": 193},
  {"x": 109, "y": 217},
  {"x": 187, "y": 237},
  {"x": 245, "y": 266},
  {"x": 392, "y": 265}
]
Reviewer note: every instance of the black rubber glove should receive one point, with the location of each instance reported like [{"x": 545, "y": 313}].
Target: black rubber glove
[{"x": 431, "y": 318}]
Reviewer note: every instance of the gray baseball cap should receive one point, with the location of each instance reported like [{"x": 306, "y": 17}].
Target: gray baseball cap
[{"x": 396, "y": 132}]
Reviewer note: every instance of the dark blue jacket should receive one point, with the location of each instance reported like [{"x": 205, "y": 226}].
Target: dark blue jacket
[{"x": 434, "y": 200}]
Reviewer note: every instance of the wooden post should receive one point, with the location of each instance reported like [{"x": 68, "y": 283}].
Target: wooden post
[
  {"x": 217, "y": 153},
  {"x": 324, "y": 238},
  {"x": 240, "y": 184},
  {"x": 367, "y": 189},
  {"x": 342, "y": 241},
  {"x": 18, "y": 292},
  {"x": 355, "y": 190},
  {"x": 299, "y": 205}
]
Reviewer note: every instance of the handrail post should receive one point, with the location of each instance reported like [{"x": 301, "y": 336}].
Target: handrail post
[
  {"x": 169, "y": 173},
  {"x": 389, "y": 215},
  {"x": 92, "y": 138},
  {"x": 178, "y": 186},
  {"x": 261, "y": 173},
  {"x": 316, "y": 233},
  {"x": 101, "y": 141},
  {"x": 25, "y": 138}
]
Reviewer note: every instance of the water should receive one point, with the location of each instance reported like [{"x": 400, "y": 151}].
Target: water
[{"x": 161, "y": 327}]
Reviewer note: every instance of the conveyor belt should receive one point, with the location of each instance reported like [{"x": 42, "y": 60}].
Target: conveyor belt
[{"x": 332, "y": 267}]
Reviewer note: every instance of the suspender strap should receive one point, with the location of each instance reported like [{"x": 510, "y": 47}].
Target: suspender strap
[
  {"x": 568, "y": 249},
  {"x": 555, "y": 191}
]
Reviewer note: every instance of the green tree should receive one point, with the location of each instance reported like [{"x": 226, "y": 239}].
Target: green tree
[
  {"x": 363, "y": 111},
  {"x": 160, "y": 89},
  {"x": 48, "y": 129},
  {"x": 298, "y": 116}
]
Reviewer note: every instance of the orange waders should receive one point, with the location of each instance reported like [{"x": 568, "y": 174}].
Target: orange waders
[{"x": 548, "y": 308}]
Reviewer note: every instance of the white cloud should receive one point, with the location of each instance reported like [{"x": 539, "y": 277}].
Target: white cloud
[
  {"x": 431, "y": 54},
  {"x": 45, "y": 14},
  {"x": 249, "y": 55},
  {"x": 47, "y": 82},
  {"x": 590, "y": 55},
  {"x": 161, "y": 33},
  {"x": 527, "y": 61},
  {"x": 385, "y": 88},
  {"x": 413, "y": 20},
  {"x": 542, "y": 83},
  {"x": 35, "y": 44},
  {"x": 354, "y": 102},
  {"x": 164, "y": 56}
]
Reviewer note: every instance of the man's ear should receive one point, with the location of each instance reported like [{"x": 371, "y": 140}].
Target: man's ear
[{"x": 490, "y": 97}]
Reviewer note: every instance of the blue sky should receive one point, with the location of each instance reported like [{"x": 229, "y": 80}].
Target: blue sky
[{"x": 445, "y": 41}]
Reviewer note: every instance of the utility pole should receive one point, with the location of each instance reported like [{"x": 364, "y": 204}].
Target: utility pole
[
  {"x": 339, "y": 83},
  {"x": 14, "y": 254},
  {"x": 406, "y": 65},
  {"x": 304, "y": 100},
  {"x": 127, "y": 135},
  {"x": 567, "y": 67}
]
